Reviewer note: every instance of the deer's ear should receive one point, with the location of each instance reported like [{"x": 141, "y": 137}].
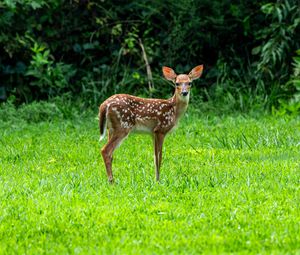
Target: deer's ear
[
  {"x": 196, "y": 72},
  {"x": 169, "y": 73}
]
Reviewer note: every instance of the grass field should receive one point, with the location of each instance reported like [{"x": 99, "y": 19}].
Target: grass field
[{"x": 228, "y": 185}]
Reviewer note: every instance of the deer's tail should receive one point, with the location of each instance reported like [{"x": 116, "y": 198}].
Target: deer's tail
[{"x": 102, "y": 121}]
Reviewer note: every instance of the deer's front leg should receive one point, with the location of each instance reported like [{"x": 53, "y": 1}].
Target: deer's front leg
[{"x": 158, "y": 143}]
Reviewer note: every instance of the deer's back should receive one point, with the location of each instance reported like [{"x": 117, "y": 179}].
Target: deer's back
[{"x": 139, "y": 114}]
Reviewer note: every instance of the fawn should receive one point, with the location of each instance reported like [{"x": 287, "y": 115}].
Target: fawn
[{"x": 122, "y": 114}]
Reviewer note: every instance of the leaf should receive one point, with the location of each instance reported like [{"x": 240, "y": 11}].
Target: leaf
[
  {"x": 36, "y": 5},
  {"x": 88, "y": 46},
  {"x": 256, "y": 50},
  {"x": 267, "y": 8},
  {"x": 77, "y": 48},
  {"x": 279, "y": 14}
]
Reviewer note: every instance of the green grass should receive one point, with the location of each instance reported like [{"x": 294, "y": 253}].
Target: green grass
[{"x": 229, "y": 185}]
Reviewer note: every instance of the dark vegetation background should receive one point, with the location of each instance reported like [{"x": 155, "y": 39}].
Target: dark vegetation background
[{"x": 80, "y": 52}]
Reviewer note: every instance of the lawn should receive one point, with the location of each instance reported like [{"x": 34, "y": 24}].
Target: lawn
[{"x": 228, "y": 185}]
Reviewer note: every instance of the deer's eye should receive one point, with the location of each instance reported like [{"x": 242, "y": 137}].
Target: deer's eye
[{"x": 177, "y": 84}]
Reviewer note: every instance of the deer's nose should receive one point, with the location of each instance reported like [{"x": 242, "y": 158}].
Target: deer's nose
[{"x": 184, "y": 93}]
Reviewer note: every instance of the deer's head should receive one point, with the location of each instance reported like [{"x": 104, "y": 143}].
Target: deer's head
[{"x": 183, "y": 82}]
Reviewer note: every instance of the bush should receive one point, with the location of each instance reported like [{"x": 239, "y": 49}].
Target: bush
[
  {"x": 55, "y": 109},
  {"x": 91, "y": 49}
]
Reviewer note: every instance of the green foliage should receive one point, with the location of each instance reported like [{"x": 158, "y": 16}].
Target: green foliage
[
  {"x": 296, "y": 77},
  {"x": 279, "y": 39},
  {"x": 62, "y": 107},
  {"x": 91, "y": 49},
  {"x": 51, "y": 78},
  {"x": 291, "y": 104},
  {"x": 34, "y": 112},
  {"x": 229, "y": 185}
]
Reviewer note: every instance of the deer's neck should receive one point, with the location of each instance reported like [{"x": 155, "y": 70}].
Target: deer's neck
[{"x": 180, "y": 103}]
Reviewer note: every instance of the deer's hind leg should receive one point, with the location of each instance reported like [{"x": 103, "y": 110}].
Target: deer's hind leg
[{"x": 115, "y": 138}]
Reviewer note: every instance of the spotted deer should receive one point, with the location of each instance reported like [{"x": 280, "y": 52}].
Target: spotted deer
[{"x": 121, "y": 114}]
